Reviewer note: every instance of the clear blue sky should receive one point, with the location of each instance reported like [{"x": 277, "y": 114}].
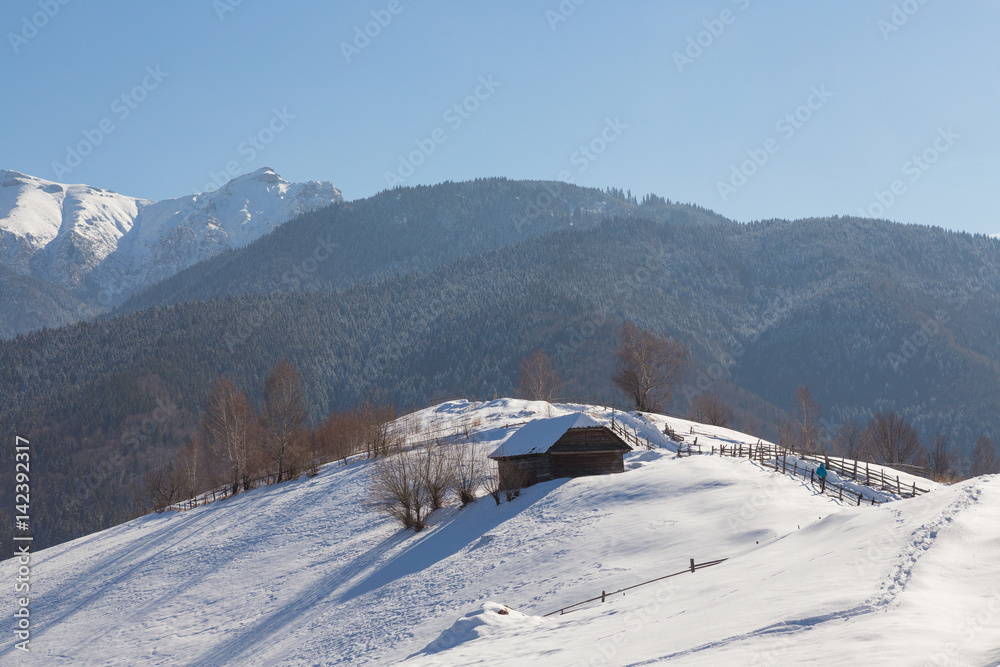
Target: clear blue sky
[{"x": 930, "y": 87}]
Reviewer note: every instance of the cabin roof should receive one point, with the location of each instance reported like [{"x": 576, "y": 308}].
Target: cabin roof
[{"x": 538, "y": 435}]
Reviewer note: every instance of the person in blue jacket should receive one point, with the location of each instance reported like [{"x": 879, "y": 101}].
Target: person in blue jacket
[{"x": 821, "y": 473}]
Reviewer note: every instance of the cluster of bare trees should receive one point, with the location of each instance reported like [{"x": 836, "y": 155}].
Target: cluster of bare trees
[
  {"x": 712, "y": 410},
  {"x": 234, "y": 445},
  {"x": 238, "y": 448},
  {"x": 409, "y": 484},
  {"x": 890, "y": 440}
]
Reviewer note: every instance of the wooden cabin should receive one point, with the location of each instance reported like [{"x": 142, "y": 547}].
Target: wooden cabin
[{"x": 572, "y": 445}]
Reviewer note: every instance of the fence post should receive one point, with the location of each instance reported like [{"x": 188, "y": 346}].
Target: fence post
[
  {"x": 692, "y": 565},
  {"x": 898, "y": 490},
  {"x": 602, "y": 596}
]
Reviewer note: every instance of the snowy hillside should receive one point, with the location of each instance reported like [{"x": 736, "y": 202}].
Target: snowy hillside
[
  {"x": 106, "y": 245},
  {"x": 303, "y": 573}
]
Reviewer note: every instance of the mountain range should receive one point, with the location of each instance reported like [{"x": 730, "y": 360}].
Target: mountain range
[
  {"x": 433, "y": 291},
  {"x": 100, "y": 246}
]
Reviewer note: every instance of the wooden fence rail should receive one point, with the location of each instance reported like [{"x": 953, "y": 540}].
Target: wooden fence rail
[
  {"x": 871, "y": 476},
  {"x": 604, "y": 595},
  {"x": 764, "y": 454}
]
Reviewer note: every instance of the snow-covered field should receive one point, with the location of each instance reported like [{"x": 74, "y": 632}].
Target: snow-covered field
[{"x": 303, "y": 573}]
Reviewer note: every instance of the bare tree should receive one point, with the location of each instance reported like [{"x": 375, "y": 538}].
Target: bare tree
[
  {"x": 711, "y": 409},
  {"x": 941, "y": 459},
  {"x": 397, "y": 489},
  {"x": 191, "y": 465},
  {"x": 230, "y": 425},
  {"x": 788, "y": 434},
  {"x": 808, "y": 415},
  {"x": 337, "y": 437},
  {"x": 376, "y": 424},
  {"x": 539, "y": 380},
  {"x": 491, "y": 482},
  {"x": 889, "y": 439},
  {"x": 649, "y": 365},
  {"x": 436, "y": 474},
  {"x": 984, "y": 458},
  {"x": 848, "y": 440},
  {"x": 468, "y": 467},
  {"x": 284, "y": 417},
  {"x": 162, "y": 487},
  {"x": 749, "y": 425}
]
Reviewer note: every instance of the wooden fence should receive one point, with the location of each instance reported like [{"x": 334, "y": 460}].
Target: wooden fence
[
  {"x": 604, "y": 594},
  {"x": 873, "y": 477},
  {"x": 764, "y": 454},
  {"x": 630, "y": 436}
]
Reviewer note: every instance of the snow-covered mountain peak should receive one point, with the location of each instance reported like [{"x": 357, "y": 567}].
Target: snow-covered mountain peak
[
  {"x": 98, "y": 243},
  {"x": 262, "y": 175}
]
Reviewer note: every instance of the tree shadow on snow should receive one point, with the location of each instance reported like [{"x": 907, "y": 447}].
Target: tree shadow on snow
[{"x": 459, "y": 530}]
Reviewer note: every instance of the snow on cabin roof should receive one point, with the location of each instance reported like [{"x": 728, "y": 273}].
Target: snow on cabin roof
[{"x": 538, "y": 435}]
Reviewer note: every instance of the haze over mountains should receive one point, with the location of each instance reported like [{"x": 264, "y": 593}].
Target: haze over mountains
[{"x": 101, "y": 246}]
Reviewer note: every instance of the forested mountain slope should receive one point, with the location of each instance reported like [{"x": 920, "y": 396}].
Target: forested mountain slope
[
  {"x": 28, "y": 304},
  {"x": 871, "y": 315},
  {"x": 404, "y": 230}
]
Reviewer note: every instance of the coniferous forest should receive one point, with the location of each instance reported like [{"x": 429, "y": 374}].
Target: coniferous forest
[{"x": 421, "y": 293}]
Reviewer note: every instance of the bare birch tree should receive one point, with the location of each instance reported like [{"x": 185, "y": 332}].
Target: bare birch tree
[
  {"x": 284, "y": 417},
  {"x": 230, "y": 424},
  {"x": 649, "y": 365},
  {"x": 539, "y": 380},
  {"x": 808, "y": 414}
]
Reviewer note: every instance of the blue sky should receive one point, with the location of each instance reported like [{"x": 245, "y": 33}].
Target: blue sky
[{"x": 753, "y": 109}]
